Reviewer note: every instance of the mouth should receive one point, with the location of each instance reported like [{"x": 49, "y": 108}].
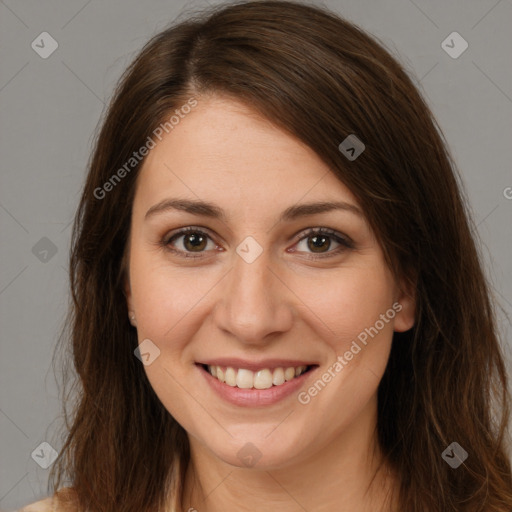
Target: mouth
[
  {"x": 263, "y": 378},
  {"x": 250, "y": 383}
]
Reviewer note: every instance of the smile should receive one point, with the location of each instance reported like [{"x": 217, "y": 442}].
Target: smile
[
  {"x": 265, "y": 378},
  {"x": 255, "y": 384}
]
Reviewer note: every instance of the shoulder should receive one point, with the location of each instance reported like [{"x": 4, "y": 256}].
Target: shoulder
[
  {"x": 61, "y": 501},
  {"x": 46, "y": 505}
]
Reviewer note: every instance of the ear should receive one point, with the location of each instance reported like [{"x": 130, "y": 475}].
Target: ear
[
  {"x": 129, "y": 301},
  {"x": 125, "y": 276},
  {"x": 127, "y": 290},
  {"x": 405, "y": 306}
]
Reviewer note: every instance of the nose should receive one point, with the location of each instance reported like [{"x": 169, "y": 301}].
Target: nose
[{"x": 254, "y": 303}]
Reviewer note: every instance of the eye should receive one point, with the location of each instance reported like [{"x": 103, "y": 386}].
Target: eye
[
  {"x": 319, "y": 241},
  {"x": 193, "y": 241}
]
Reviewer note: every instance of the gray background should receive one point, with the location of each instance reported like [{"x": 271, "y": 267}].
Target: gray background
[{"x": 49, "y": 109}]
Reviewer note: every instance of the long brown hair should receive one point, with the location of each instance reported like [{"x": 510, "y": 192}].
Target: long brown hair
[{"x": 320, "y": 78}]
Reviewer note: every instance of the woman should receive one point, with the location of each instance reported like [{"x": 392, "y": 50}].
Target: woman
[{"x": 277, "y": 297}]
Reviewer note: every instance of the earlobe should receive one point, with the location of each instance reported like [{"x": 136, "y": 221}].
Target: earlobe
[{"x": 406, "y": 310}]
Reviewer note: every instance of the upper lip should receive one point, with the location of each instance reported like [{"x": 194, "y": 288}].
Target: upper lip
[{"x": 271, "y": 364}]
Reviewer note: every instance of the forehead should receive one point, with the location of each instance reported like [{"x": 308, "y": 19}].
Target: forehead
[{"x": 224, "y": 151}]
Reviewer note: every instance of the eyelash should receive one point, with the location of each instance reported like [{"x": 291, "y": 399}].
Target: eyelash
[{"x": 345, "y": 242}]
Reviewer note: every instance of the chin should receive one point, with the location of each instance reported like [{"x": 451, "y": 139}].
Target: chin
[{"x": 257, "y": 452}]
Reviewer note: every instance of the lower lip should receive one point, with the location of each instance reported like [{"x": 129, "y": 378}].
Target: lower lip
[{"x": 255, "y": 397}]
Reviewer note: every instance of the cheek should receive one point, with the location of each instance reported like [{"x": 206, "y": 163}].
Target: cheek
[
  {"x": 164, "y": 297},
  {"x": 349, "y": 303},
  {"x": 359, "y": 312},
  {"x": 166, "y": 303}
]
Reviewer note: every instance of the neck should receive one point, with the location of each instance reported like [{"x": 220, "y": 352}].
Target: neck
[{"x": 347, "y": 474}]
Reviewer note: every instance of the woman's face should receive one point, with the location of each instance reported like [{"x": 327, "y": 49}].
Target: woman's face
[{"x": 252, "y": 290}]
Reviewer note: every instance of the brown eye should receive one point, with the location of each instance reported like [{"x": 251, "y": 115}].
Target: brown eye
[
  {"x": 194, "y": 241},
  {"x": 319, "y": 241},
  {"x": 187, "y": 241}
]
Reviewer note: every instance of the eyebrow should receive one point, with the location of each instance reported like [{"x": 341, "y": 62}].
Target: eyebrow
[{"x": 197, "y": 207}]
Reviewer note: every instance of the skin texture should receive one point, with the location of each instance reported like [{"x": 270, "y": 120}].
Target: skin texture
[{"x": 320, "y": 456}]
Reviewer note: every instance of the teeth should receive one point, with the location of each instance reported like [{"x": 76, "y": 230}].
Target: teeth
[
  {"x": 289, "y": 373},
  {"x": 244, "y": 378},
  {"x": 278, "y": 377},
  {"x": 262, "y": 379},
  {"x": 230, "y": 377}
]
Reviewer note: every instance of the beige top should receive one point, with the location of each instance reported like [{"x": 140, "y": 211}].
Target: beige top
[
  {"x": 46, "y": 505},
  {"x": 51, "y": 503}
]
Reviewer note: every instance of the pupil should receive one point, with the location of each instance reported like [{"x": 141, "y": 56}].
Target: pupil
[
  {"x": 195, "y": 240},
  {"x": 315, "y": 245}
]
